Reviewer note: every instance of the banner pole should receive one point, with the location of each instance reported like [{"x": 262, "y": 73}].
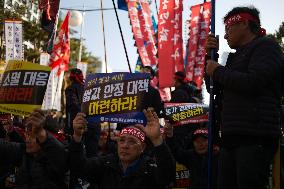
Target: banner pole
[
  {"x": 104, "y": 37},
  {"x": 211, "y": 107},
  {"x": 121, "y": 34}
]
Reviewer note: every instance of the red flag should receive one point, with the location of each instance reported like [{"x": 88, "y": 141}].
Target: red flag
[
  {"x": 142, "y": 27},
  {"x": 177, "y": 38},
  {"x": 166, "y": 49},
  {"x": 193, "y": 40},
  {"x": 61, "y": 49},
  {"x": 198, "y": 72}
]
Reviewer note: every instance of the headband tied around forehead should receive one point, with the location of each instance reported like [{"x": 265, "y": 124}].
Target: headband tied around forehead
[
  {"x": 243, "y": 17},
  {"x": 201, "y": 132},
  {"x": 182, "y": 79},
  {"x": 133, "y": 132}
]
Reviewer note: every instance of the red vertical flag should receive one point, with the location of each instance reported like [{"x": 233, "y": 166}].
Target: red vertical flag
[
  {"x": 193, "y": 40},
  {"x": 142, "y": 27},
  {"x": 165, "y": 45},
  {"x": 198, "y": 72},
  {"x": 61, "y": 50},
  {"x": 177, "y": 38}
]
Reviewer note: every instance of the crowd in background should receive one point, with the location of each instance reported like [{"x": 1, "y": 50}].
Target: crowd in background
[{"x": 49, "y": 150}]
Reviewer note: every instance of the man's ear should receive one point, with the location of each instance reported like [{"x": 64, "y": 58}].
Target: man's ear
[
  {"x": 143, "y": 146},
  {"x": 245, "y": 24}
]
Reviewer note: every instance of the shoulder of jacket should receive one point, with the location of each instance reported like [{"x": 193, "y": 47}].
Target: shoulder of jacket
[{"x": 264, "y": 40}]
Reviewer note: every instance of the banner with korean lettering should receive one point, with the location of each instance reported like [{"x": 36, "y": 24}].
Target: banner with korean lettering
[
  {"x": 22, "y": 87},
  {"x": 177, "y": 38},
  {"x": 115, "y": 97},
  {"x": 184, "y": 113},
  {"x": 166, "y": 49},
  {"x": 14, "y": 40},
  {"x": 198, "y": 72},
  {"x": 142, "y": 27},
  {"x": 193, "y": 40}
]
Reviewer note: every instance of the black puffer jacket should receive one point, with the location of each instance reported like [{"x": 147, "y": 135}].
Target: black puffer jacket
[
  {"x": 251, "y": 85},
  {"x": 182, "y": 94},
  {"x": 44, "y": 171},
  {"x": 196, "y": 164},
  {"x": 153, "y": 99},
  {"x": 73, "y": 95},
  {"x": 107, "y": 173}
]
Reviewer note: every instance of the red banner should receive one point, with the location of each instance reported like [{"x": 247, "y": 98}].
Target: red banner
[
  {"x": 165, "y": 45},
  {"x": 61, "y": 49},
  {"x": 198, "y": 72},
  {"x": 142, "y": 27},
  {"x": 193, "y": 40},
  {"x": 177, "y": 38},
  {"x": 199, "y": 29}
]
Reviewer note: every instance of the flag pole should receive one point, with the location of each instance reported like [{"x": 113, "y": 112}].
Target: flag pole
[
  {"x": 104, "y": 37},
  {"x": 210, "y": 125},
  {"x": 81, "y": 35},
  {"x": 122, "y": 38}
]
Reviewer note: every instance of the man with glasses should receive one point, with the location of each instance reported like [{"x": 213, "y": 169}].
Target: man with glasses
[
  {"x": 129, "y": 168},
  {"x": 250, "y": 89}
]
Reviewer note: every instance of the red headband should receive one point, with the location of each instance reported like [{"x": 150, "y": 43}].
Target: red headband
[
  {"x": 78, "y": 77},
  {"x": 133, "y": 132},
  {"x": 242, "y": 17},
  {"x": 201, "y": 132}
]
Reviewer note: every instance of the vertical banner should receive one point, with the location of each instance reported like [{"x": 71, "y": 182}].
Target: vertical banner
[
  {"x": 193, "y": 40},
  {"x": 61, "y": 50},
  {"x": 59, "y": 61},
  {"x": 198, "y": 72},
  {"x": 14, "y": 40},
  {"x": 165, "y": 44},
  {"x": 177, "y": 38},
  {"x": 52, "y": 99},
  {"x": 142, "y": 27}
]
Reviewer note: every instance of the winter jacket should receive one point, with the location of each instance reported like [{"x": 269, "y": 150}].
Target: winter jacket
[
  {"x": 153, "y": 99},
  {"x": 44, "y": 171},
  {"x": 107, "y": 172},
  {"x": 73, "y": 95},
  {"x": 196, "y": 164},
  {"x": 182, "y": 94},
  {"x": 250, "y": 86}
]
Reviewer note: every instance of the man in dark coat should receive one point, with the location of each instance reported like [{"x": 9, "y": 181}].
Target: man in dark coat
[
  {"x": 73, "y": 95},
  {"x": 182, "y": 93},
  {"x": 128, "y": 168},
  {"x": 41, "y": 159},
  {"x": 152, "y": 97},
  {"x": 249, "y": 86},
  {"x": 196, "y": 159}
]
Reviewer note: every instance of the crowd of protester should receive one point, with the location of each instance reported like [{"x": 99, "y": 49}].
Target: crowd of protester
[{"x": 48, "y": 150}]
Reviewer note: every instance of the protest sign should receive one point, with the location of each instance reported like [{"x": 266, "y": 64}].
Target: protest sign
[
  {"x": 184, "y": 113},
  {"x": 115, "y": 97},
  {"x": 182, "y": 177},
  {"x": 22, "y": 87}
]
